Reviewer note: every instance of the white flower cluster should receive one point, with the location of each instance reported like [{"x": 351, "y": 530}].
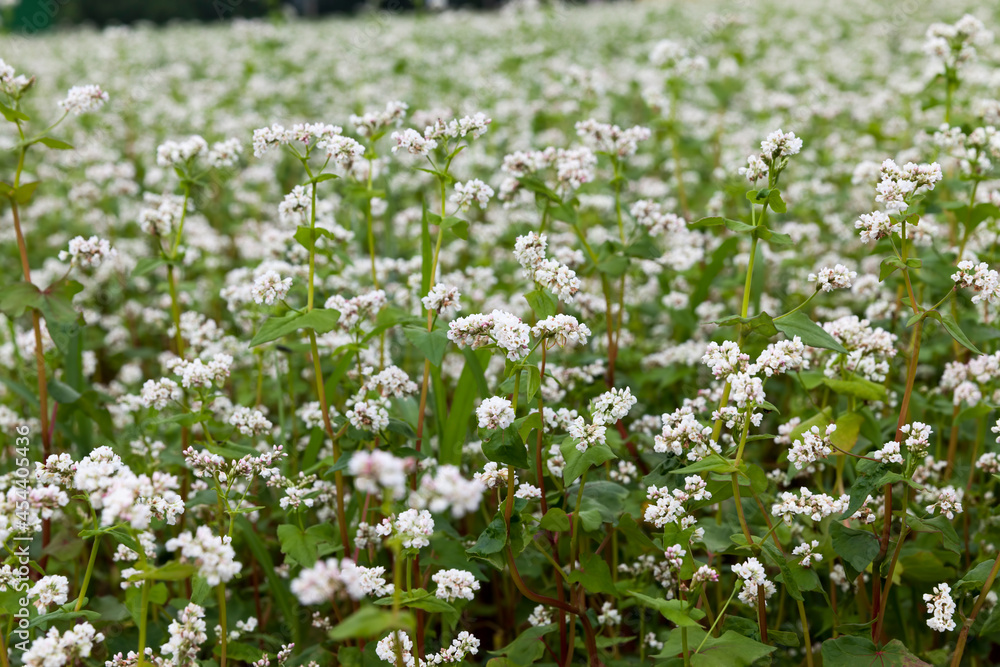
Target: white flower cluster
[
  {"x": 829, "y": 279},
  {"x": 83, "y": 99},
  {"x": 54, "y": 649},
  {"x": 398, "y": 645},
  {"x": 553, "y": 275},
  {"x": 249, "y": 422},
  {"x": 495, "y": 412},
  {"x": 682, "y": 431},
  {"x": 187, "y": 634},
  {"x": 754, "y": 580},
  {"x": 470, "y": 192},
  {"x": 213, "y": 555},
  {"x": 269, "y": 288},
  {"x": 611, "y": 139},
  {"x": 501, "y": 328},
  {"x": 953, "y": 45},
  {"x": 442, "y": 297},
  {"x": 573, "y": 167},
  {"x": 816, "y": 506},
  {"x": 11, "y": 83},
  {"x": 372, "y": 123},
  {"x": 650, "y": 215},
  {"x": 412, "y": 526},
  {"x": 445, "y": 489},
  {"x": 331, "y": 579},
  {"x": 941, "y": 607},
  {"x": 981, "y": 278},
  {"x": 808, "y": 553},
  {"x": 87, "y": 253},
  {"x": 378, "y": 472},
  {"x": 455, "y": 584},
  {"x": 775, "y": 150},
  {"x": 811, "y": 448},
  {"x": 562, "y": 329}
]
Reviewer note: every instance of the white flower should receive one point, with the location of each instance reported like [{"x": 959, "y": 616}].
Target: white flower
[
  {"x": 214, "y": 555},
  {"x": 455, "y": 584},
  {"x": 495, "y": 413},
  {"x": 941, "y": 607},
  {"x": 87, "y": 253},
  {"x": 839, "y": 277},
  {"x": 474, "y": 191},
  {"x": 81, "y": 99},
  {"x": 270, "y": 288},
  {"x": 51, "y": 590},
  {"x": 754, "y": 579}
]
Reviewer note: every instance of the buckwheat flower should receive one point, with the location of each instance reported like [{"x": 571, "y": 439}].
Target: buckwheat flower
[
  {"x": 558, "y": 279},
  {"x": 269, "y": 288},
  {"x": 360, "y": 582},
  {"x": 540, "y": 616},
  {"x": 378, "y": 471},
  {"x": 989, "y": 463},
  {"x": 586, "y": 435},
  {"x": 368, "y": 414},
  {"x": 87, "y": 253},
  {"x": 200, "y": 374},
  {"x": 783, "y": 356},
  {"x": 754, "y": 579},
  {"x": 83, "y": 99},
  {"x": 746, "y": 390},
  {"x": 492, "y": 476},
  {"x": 941, "y": 607},
  {"x": 178, "y": 153},
  {"x": 55, "y": 650},
  {"x": 528, "y": 492},
  {"x": 187, "y": 634},
  {"x": 704, "y": 575},
  {"x": 157, "y": 394},
  {"x": 947, "y": 500},
  {"x": 474, "y": 191},
  {"x": 413, "y": 142},
  {"x": 295, "y": 208},
  {"x": 839, "y": 277},
  {"x": 811, "y": 448},
  {"x": 650, "y": 215},
  {"x": 455, "y": 584},
  {"x": 445, "y": 489},
  {"x": 674, "y": 556},
  {"x": 612, "y": 405},
  {"x": 981, "y": 278},
  {"x": 414, "y": 527},
  {"x": 318, "y": 584},
  {"x": 756, "y": 169},
  {"x": 779, "y": 144},
  {"x": 652, "y": 642},
  {"x": 11, "y": 83},
  {"x": 390, "y": 381},
  {"x": 50, "y": 590},
  {"x": 805, "y": 550},
  {"x": 441, "y": 298},
  {"x": 815, "y": 506},
  {"x": 495, "y": 413},
  {"x": 266, "y": 138},
  {"x": 372, "y": 123},
  {"x": 342, "y": 150},
  {"x": 396, "y": 646},
  {"x": 876, "y": 225},
  {"x": 612, "y": 139},
  {"x": 161, "y": 213},
  {"x": 890, "y": 453},
  {"x": 897, "y": 184},
  {"x": 529, "y": 251},
  {"x": 507, "y": 331},
  {"x": 609, "y": 616},
  {"x": 213, "y": 555},
  {"x": 725, "y": 360},
  {"x": 249, "y": 422}
]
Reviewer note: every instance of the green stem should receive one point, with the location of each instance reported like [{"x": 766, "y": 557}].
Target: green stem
[{"x": 224, "y": 635}]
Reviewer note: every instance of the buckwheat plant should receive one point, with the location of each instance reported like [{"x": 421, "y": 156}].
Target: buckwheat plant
[{"x": 609, "y": 335}]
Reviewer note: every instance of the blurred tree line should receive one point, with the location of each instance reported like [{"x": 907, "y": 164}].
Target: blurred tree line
[{"x": 28, "y": 16}]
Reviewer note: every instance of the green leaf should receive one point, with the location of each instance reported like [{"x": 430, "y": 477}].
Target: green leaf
[
  {"x": 776, "y": 202},
  {"x": 594, "y": 574},
  {"x": 526, "y": 649},
  {"x": 18, "y": 297},
  {"x": 371, "y": 621},
  {"x": 854, "y": 651},
  {"x": 555, "y": 520},
  {"x": 55, "y": 143},
  {"x": 848, "y": 429},
  {"x": 889, "y": 266},
  {"x": 62, "y": 393},
  {"x": 975, "y": 579},
  {"x": 812, "y": 334},
  {"x": 542, "y": 302},
  {"x": 712, "y": 221},
  {"x": 938, "y": 524},
  {"x": 297, "y": 545},
  {"x": 729, "y": 650},
  {"x": 614, "y": 265},
  {"x": 148, "y": 265},
  {"x": 858, "y": 548},
  {"x": 777, "y": 558},
  {"x": 470, "y": 383},
  {"x": 860, "y": 388},
  {"x": 577, "y": 462},
  {"x": 673, "y": 610},
  {"x": 23, "y": 193},
  {"x": 952, "y": 327},
  {"x": 491, "y": 542},
  {"x": 57, "y": 304},
  {"x": 432, "y": 343},
  {"x": 505, "y": 446},
  {"x": 738, "y": 227},
  {"x": 13, "y": 115},
  {"x": 418, "y": 598},
  {"x": 320, "y": 320}
]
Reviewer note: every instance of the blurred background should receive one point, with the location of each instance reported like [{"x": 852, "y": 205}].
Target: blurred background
[{"x": 29, "y": 16}]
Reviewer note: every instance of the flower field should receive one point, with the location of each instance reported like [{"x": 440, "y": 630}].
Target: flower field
[{"x": 631, "y": 334}]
